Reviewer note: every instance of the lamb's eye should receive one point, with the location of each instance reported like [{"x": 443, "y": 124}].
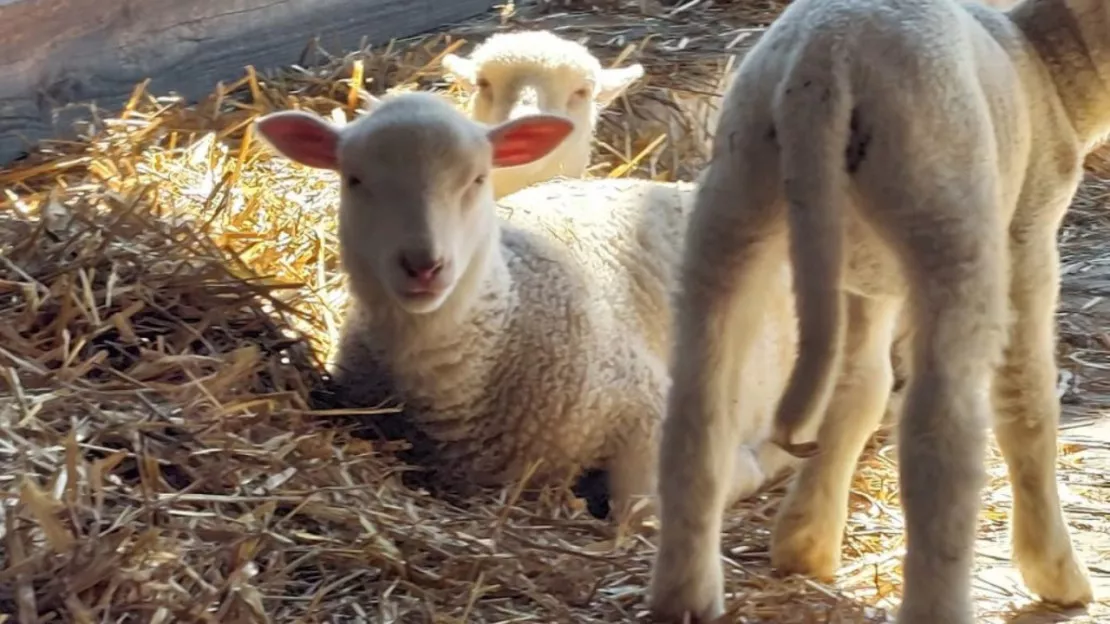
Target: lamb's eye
[
  {"x": 353, "y": 181},
  {"x": 480, "y": 180},
  {"x": 483, "y": 83},
  {"x": 582, "y": 93}
]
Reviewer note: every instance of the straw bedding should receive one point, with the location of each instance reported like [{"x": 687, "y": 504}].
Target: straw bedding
[{"x": 169, "y": 296}]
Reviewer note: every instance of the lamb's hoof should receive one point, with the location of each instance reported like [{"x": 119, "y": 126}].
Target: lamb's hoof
[
  {"x": 930, "y": 611},
  {"x": 1061, "y": 580},
  {"x": 686, "y": 592},
  {"x": 799, "y": 545}
]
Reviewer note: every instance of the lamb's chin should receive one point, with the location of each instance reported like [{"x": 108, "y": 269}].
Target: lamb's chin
[{"x": 423, "y": 303}]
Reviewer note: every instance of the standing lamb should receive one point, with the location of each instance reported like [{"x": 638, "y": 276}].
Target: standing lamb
[
  {"x": 524, "y": 72},
  {"x": 539, "y": 337},
  {"x": 917, "y": 151}
]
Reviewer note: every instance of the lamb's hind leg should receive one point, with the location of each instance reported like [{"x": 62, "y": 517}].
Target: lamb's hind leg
[
  {"x": 736, "y": 234},
  {"x": 1027, "y": 416},
  {"x": 951, "y": 244},
  {"x": 809, "y": 527}
]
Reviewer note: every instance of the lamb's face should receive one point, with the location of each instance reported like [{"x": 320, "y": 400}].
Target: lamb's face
[
  {"x": 522, "y": 73},
  {"x": 416, "y": 208},
  {"x": 506, "y": 90},
  {"x": 415, "y": 204}
]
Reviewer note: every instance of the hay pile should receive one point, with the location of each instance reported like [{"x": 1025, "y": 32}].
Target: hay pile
[{"x": 169, "y": 295}]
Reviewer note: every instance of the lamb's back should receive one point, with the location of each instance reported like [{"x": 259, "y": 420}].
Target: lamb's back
[{"x": 624, "y": 236}]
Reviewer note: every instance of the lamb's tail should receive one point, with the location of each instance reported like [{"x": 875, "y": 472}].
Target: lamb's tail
[{"x": 812, "y": 119}]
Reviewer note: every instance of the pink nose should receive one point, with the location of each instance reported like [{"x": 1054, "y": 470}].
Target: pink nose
[{"x": 420, "y": 266}]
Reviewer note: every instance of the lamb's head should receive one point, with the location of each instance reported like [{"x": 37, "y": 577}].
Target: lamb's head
[
  {"x": 416, "y": 211},
  {"x": 525, "y": 72}
]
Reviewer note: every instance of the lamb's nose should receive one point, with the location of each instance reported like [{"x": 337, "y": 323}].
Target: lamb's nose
[{"x": 420, "y": 265}]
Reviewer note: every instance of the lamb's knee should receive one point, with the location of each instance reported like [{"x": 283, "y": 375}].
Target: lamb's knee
[
  {"x": 960, "y": 339},
  {"x": 868, "y": 373}
]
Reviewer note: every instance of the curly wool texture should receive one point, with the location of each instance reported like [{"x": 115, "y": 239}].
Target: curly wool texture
[{"x": 627, "y": 237}]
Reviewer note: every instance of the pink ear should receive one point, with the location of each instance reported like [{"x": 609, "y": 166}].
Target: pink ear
[
  {"x": 528, "y": 138},
  {"x": 303, "y": 137}
]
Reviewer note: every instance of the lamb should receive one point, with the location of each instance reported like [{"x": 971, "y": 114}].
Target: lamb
[
  {"x": 907, "y": 153},
  {"x": 518, "y": 73},
  {"x": 541, "y": 336}
]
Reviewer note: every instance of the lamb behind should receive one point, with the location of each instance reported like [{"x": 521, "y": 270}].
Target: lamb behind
[
  {"x": 524, "y": 72},
  {"x": 911, "y": 152}
]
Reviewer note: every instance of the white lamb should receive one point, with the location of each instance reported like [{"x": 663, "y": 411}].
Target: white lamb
[
  {"x": 538, "y": 337},
  {"x": 917, "y": 151},
  {"x": 524, "y": 72}
]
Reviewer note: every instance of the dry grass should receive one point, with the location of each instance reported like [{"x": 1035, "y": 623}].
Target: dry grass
[{"x": 168, "y": 295}]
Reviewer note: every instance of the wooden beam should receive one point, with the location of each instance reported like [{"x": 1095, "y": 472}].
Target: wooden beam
[{"x": 59, "y": 57}]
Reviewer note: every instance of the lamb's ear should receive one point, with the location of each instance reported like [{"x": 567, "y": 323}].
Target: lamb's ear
[
  {"x": 463, "y": 70},
  {"x": 527, "y": 138},
  {"x": 613, "y": 82},
  {"x": 302, "y": 137}
]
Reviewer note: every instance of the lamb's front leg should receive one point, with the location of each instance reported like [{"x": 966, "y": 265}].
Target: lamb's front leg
[{"x": 1027, "y": 416}]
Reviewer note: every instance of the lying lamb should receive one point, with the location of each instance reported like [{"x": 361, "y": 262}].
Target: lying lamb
[
  {"x": 539, "y": 337},
  {"x": 917, "y": 151},
  {"x": 524, "y": 72}
]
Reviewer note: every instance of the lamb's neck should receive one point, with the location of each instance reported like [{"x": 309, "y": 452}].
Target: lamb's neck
[
  {"x": 1072, "y": 38},
  {"x": 439, "y": 342}
]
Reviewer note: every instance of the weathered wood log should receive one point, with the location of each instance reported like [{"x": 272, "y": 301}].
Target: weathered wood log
[{"x": 58, "y": 58}]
